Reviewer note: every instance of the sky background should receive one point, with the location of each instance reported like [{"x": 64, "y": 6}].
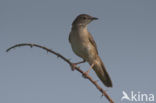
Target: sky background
[{"x": 125, "y": 35}]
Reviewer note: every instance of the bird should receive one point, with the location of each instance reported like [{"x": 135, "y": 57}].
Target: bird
[{"x": 84, "y": 46}]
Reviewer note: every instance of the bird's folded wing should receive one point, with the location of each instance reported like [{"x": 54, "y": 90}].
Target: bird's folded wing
[{"x": 92, "y": 42}]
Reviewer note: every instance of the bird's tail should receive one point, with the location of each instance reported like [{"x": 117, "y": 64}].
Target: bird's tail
[{"x": 101, "y": 72}]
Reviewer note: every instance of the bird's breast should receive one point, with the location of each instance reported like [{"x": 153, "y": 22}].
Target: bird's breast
[{"x": 81, "y": 45}]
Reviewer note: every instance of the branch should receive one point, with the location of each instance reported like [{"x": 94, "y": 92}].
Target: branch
[{"x": 104, "y": 93}]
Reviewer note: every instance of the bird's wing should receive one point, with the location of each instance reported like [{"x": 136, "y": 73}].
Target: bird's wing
[{"x": 92, "y": 42}]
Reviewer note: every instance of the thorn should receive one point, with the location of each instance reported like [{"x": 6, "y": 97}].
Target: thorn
[{"x": 102, "y": 95}]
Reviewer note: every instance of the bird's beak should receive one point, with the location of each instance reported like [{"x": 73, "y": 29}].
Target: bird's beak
[{"x": 94, "y": 18}]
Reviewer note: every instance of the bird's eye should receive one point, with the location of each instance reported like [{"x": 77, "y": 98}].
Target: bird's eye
[{"x": 84, "y": 18}]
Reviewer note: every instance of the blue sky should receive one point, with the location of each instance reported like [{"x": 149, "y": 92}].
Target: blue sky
[{"x": 125, "y": 35}]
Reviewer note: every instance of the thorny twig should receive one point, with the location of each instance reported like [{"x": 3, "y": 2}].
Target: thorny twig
[{"x": 70, "y": 63}]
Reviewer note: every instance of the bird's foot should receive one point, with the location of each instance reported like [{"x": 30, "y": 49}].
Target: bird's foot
[{"x": 73, "y": 66}]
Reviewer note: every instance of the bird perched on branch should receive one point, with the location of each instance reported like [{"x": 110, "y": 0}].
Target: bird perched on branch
[{"x": 84, "y": 46}]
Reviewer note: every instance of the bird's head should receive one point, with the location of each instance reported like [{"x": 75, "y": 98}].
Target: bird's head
[{"x": 83, "y": 20}]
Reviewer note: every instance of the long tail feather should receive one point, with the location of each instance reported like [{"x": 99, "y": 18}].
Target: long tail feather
[{"x": 101, "y": 72}]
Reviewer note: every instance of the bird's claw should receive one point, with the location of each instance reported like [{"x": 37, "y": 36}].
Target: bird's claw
[{"x": 73, "y": 66}]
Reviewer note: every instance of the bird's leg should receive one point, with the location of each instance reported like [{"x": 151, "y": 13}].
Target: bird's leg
[
  {"x": 80, "y": 62},
  {"x": 74, "y": 64},
  {"x": 87, "y": 72}
]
